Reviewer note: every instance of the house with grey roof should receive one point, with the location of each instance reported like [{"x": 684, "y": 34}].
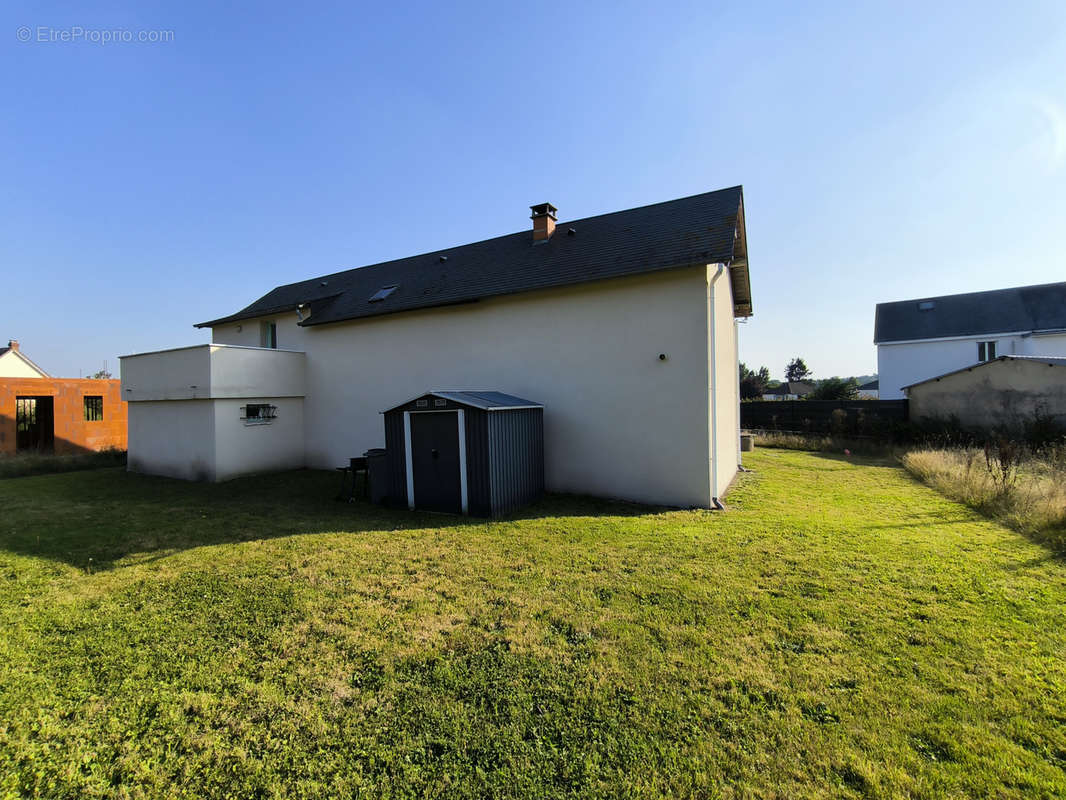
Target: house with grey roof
[
  {"x": 622, "y": 326},
  {"x": 789, "y": 390},
  {"x": 926, "y": 337},
  {"x": 869, "y": 390}
]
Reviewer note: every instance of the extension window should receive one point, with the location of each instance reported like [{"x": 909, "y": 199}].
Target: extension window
[
  {"x": 259, "y": 413},
  {"x": 94, "y": 408}
]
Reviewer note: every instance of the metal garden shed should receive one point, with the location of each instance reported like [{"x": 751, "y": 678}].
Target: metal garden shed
[{"x": 470, "y": 452}]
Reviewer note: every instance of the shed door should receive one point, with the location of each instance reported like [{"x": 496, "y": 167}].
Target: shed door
[{"x": 435, "y": 461}]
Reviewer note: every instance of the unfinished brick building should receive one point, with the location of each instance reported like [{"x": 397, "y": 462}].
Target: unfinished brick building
[{"x": 64, "y": 416}]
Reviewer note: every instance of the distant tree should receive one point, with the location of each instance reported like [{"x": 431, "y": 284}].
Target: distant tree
[
  {"x": 797, "y": 370},
  {"x": 835, "y": 389},
  {"x": 101, "y": 375},
  {"x": 753, "y": 384}
]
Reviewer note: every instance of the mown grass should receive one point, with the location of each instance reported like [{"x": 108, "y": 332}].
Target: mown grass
[
  {"x": 828, "y": 443},
  {"x": 21, "y": 465},
  {"x": 1031, "y": 497},
  {"x": 840, "y": 631}
]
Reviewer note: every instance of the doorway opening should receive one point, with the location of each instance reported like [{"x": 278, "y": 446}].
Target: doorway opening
[{"x": 34, "y": 425}]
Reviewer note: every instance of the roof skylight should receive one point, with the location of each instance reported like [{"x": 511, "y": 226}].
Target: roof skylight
[{"x": 382, "y": 293}]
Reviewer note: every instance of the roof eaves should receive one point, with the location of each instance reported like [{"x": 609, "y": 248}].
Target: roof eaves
[
  {"x": 734, "y": 254},
  {"x": 1051, "y": 361},
  {"x": 499, "y": 293},
  {"x": 264, "y": 312}
]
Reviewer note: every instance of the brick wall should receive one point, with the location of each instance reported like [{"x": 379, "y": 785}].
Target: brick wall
[{"x": 73, "y": 434}]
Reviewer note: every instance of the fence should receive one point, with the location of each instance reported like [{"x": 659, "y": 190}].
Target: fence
[{"x": 816, "y": 416}]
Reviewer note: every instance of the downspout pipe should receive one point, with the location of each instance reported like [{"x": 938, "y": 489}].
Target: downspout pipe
[
  {"x": 715, "y": 502},
  {"x": 736, "y": 356}
]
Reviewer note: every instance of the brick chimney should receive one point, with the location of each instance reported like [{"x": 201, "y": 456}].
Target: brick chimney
[
  {"x": 13, "y": 344},
  {"x": 543, "y": 221}
]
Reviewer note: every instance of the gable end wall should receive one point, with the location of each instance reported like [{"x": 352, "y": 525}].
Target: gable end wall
[{"x": 618, "y": 420}]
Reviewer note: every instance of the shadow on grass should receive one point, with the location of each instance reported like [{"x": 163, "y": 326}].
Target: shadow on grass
[
  {"x": 93, "y": 519},
  {"x": 1046, "y": 539},
  {"x": 23, "y": 465}
]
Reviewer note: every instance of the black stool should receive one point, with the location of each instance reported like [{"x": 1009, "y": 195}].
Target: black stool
[{"x": 355, "y": 466}]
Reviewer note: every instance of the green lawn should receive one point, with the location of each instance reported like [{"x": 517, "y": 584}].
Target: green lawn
[{"x": 840, "y": 631}]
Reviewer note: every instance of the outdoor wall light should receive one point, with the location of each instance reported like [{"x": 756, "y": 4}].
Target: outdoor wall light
[{"x": 662, "y": 356}]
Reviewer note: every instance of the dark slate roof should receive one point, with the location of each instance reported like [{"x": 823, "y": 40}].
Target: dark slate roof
[
  {"x": 1025, "y": 308},
  {"x": 869, "y": 387},
  {"x": 484, "y": 399},
  {"x": 1051, "y": 361},
  {"x": 706, "y": 228}
]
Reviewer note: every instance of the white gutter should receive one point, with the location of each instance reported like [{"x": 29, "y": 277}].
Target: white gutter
[
  {"x": 715, "y": 502},
  {"x": 736, "y": 357},
  {"x": 968, "y": 337}
]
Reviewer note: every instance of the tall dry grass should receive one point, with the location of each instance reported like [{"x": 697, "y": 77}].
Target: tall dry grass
[
  {"x": 1029, "y": 496},
  {"x": 825, "y": 443}
]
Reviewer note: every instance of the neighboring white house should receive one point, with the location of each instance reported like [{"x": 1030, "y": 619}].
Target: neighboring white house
[
  {"x": 920, "y": 339},
  {"x": 621, "y": 325},
  {"x": 15, "y": 364},
  {"x": 869, "y": 390}
]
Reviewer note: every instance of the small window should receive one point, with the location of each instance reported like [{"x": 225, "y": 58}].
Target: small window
[
  {"x": 94, "y": 408},
  {"x": 268, "y": 335},
  {"x": 382, "y": 293},
  {"x": 259, "y": 413},
  {"x": 986, "y": 351},
  {"x": 926, "y": 305}
]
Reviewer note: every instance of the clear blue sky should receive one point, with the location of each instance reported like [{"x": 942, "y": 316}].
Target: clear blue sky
[{"x": 887, "y": 150}]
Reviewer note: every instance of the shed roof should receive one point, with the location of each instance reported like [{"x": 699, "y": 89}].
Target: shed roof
[
  {"x": 702, "y": 229},
  {"x": 1023, "y": 308},
  {"x": 485, "y": 399},
  {"x": 1051, "y": 361}
]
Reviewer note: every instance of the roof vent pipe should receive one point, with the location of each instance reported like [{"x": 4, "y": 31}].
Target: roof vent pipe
[{"x": 543, "y": 217}]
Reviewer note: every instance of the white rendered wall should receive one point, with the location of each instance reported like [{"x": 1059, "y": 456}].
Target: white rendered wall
[
  {"x": 619, "y": 422},
  {"x": 243, "y": 449},
  {"x": 13, "y": 366},
  {"x": 900, "y": 365},
  {"x": 1053, "y": 344},
  {"x": 212, "y": 371},
  {"x": 724, "y": 382},
  {"x": 208, "y": 440},
  {"x": 175, "y": 438},
  {"x": 242, "y": 372}
]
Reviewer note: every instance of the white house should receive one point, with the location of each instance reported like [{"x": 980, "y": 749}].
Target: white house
[
  {"x": 920, "y": 339},
  {"x": 16, "y": 364},
  {"x": 789, "y": 390},
  {"x": 621, "y": 325}
]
